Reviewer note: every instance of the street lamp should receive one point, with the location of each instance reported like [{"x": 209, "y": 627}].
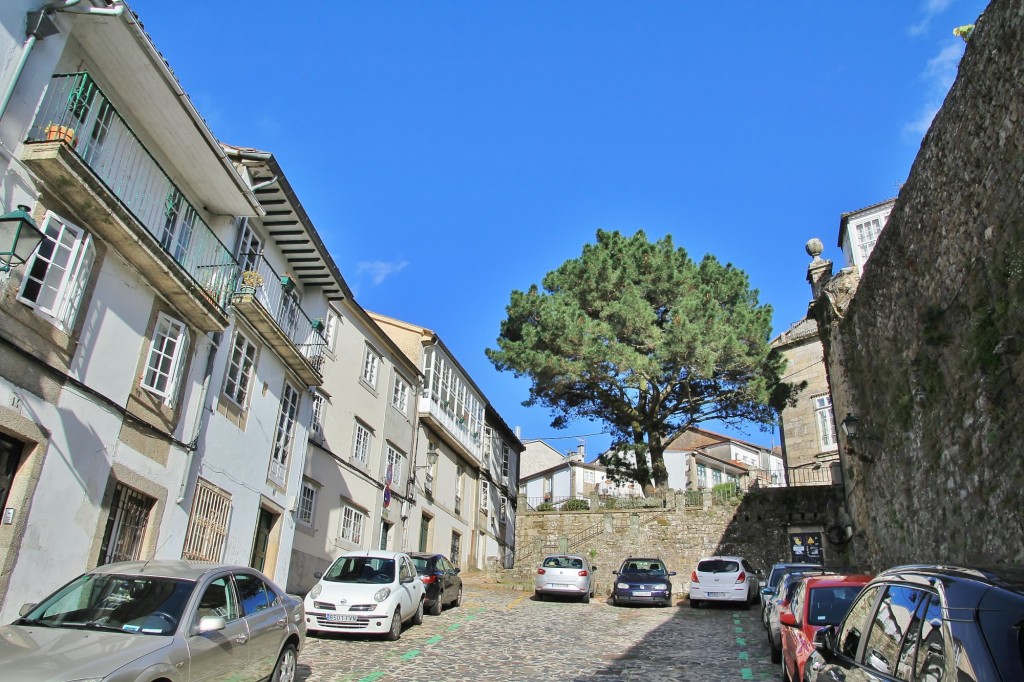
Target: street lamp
[
  {"x": 19, "y": 238},
  {"x": 849, "y": 426}
]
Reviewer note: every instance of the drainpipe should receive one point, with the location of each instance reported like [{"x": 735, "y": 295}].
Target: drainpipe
[
  {"x": 39, "y": 26},
  {"x": 201, "y": 418}
]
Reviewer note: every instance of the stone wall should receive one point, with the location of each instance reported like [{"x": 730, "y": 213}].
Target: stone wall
[
  {"x": 756, "y": 527},
  {"x": 929, "y": 350}
]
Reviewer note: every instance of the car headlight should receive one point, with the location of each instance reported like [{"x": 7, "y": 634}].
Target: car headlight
[
  {"x": 622, "y": 586},
  {"x": 315, "y": 592},
  {"x": 382, "y": 594},
  {"x": 661, "y": 586}
]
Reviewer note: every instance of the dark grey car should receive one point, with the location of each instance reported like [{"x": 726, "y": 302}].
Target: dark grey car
[{"x": 158, "y": 620}]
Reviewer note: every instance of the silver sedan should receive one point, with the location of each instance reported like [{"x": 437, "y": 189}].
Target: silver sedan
[
  {"x": 564, "y": 574},
  {"x": 157, "y": 620}
]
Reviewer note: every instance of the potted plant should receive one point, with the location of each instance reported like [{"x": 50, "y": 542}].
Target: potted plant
[
  {"x": 60, "y": 133},
  {"x": 250, "y": 281},
  {"x": 288, "y": 281}
]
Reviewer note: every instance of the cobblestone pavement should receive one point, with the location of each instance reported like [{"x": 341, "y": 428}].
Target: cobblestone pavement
[{"x": 499, "y": 634}]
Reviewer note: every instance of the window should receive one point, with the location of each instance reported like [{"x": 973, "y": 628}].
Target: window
[
  {"x": 179, "y": 219},
  {"x": 361, "y": 444},
  {"x": 503, "y": 516},
  {"x": 166, "y": 358},
  {"x": 219, "y": 600},
  {"x": 892, "y": 640},
  {"x": 207, "y": 525},
  {"x": 394, "y": 471},
  {"x": 126, "y": 525},
  {"x": 307, "y": 504},
  {"x": 332, "y": 330},
  {"x": 826, "y": 422},
  {"x": 716, "y": 477},
  {"x": 456, "y": 548},
  {"x": 588, "y": 476},
  {"x": 371, "y": 367},
  {"x": 250, "y": 246},
  {"x": 255, "y": 594},
  {"x": 460, "y": 482},
  {"x": 240, "y": 368},
  {"x": 485, "y": 493},
  {"x": 351, "y": 524},
  {"x": 702, "y": 476},
  {"x": 867, "y": 235},
  {"x": 505, "y": 453},
  {"x": 55, "y": 278},
  {"x": 400, "y": 399},
  {"x": 284, "y": 434},
  {"x": 318, "y": 415},
  {"x": 850, "y": 635}
]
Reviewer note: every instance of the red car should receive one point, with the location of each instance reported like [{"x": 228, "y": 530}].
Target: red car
[{"x": 818, "y": 601}]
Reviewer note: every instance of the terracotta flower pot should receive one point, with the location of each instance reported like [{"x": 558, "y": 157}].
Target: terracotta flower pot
[{"x": 60, "y": 133}]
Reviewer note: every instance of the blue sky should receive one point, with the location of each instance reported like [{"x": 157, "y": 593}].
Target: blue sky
[{"x": 450, "y": 152}]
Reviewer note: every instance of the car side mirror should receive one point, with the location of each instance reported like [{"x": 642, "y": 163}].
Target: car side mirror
[
  {"x": 212, "y": 624},
  {"x": 593, "y": 567},
  {"x": 787, "y": 618},
  {"x": 26, "y": 608},
  {"x": 825, "y": 640},
  {"x": 671, "y": 573},
  {"x": 767, "y": 591},
  {"x": 318, "y": 575},
  {"x": 615, "y": 572},
  {"x": 456, "y": 570}
]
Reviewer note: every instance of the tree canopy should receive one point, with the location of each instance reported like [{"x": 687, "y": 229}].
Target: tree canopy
[{"x": 640, "y": 337}]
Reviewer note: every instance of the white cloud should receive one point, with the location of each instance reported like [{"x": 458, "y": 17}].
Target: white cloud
[
  {"x": 930, "y": 9},
  {"x": 939, "y": 75},
  {"x": 380, "y": 270}
]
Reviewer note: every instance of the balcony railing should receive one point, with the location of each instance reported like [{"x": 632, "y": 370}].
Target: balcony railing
[
  {"x": 277, "y": 295},
  {"x": 457, "y": 427},
  {"x": 75, "y": 111}
]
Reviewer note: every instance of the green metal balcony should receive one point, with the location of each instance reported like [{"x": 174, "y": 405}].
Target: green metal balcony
[{"x": 86, "y": 153}]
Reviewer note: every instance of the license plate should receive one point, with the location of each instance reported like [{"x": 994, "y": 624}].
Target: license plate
[
  {"x": 718, "y": 594},
  {"x": 560, "y": 586},
  {"x": 340, "y": 618},
  {"x": 641, "y": 594}
]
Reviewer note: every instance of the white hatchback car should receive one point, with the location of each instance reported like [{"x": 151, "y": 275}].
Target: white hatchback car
[
  {"x": 366, "y": 591},
  {"x": 724, "y": 578}
]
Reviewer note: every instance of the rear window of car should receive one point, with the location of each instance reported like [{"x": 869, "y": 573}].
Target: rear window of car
[
  {"x": 422, "y": 564},
  {"x": 718, "y": 566},
  {"x": 563, "y": 562},
  {"x": 828, "y": 605}
]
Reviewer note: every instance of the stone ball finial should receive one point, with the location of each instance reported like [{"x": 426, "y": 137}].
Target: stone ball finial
[{"x": 814, "y": 248}]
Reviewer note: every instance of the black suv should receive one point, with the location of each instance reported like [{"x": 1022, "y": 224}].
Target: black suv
[{"x": 928, "y": 623}]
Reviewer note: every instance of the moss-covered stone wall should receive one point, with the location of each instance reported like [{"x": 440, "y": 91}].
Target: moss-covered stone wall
[{"x": 929, "y": 351}]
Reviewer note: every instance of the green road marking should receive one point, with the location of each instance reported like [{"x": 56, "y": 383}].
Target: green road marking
[
  {"x": 739, "y": 630},
  {"x": 741, "y": 641},
  {"x": 435, "y": 639},
  {"x": 744, "y": 656},
  {"x": 373, "y": 676},
  {"x": 455, "y": 626},
  {"x": 746, "y": 673},
  {"x": 411, "y": 655}
]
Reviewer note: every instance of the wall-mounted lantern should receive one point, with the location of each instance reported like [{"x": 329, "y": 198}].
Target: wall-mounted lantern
[{"x": 19, "y": 238}]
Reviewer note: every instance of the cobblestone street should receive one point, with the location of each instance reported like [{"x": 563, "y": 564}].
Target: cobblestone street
[{"x": 500, "y": 634}]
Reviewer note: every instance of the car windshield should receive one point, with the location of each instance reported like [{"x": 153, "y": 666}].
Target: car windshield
[
  {"x": 124, "y": 603},
  {"x": 828, "y": 605},
  {"x": 649, "y": 566},
  {"x": 718, "y": 566},
  {"x": 361, "y": 569}
]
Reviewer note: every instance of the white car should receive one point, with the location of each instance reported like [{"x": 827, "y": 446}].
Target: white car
[
  {"x": 366, "y": 591},
  {"x": 724, "y": 578}
]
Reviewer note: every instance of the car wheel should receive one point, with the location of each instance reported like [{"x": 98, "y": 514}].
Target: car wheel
[
  {"x": 396, "y": 626},
  {"x": 746, "y": 605},
  {"x": 775, "y": 652},
  {"x": 586, "y": 597},
  {"x": 417, "y": 618},
  {"x": 435, "y": 608},
  {"x": 695, "y": 603},
  {"x": 284, "y": 671},
  {"x": 458, "y": 598}
]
